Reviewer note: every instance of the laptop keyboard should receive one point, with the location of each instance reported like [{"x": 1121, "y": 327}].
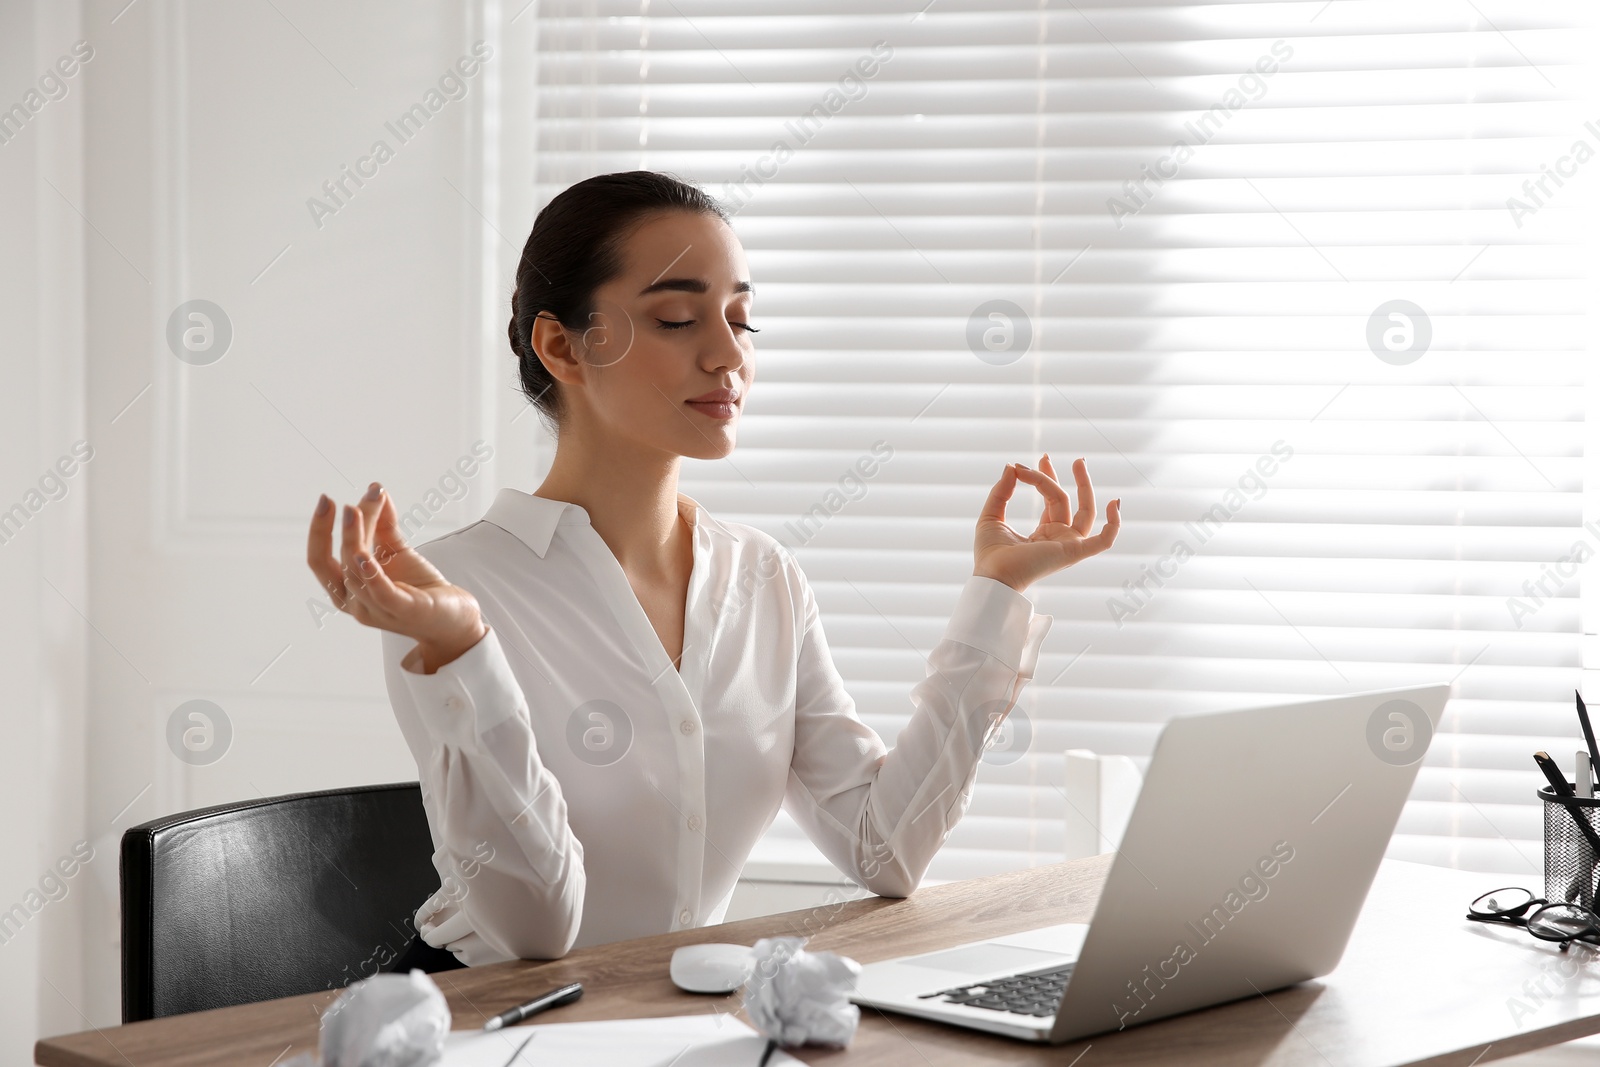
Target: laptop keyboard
[{"x": 1033, "y": 993}]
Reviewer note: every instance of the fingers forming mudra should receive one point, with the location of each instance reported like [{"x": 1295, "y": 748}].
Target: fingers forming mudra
[
  {"x": 1061, "y": 538},
  {"x": 381, "y": 581}
]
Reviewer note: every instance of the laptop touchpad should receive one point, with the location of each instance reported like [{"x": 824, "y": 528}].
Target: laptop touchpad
[{"x": 985, "y": 959}]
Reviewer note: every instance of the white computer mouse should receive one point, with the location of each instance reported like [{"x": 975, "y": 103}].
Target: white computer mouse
[{"x": 712, "y": 968}]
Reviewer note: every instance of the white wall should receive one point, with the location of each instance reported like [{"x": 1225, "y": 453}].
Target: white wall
[
  {"x": 367, "y": 343},
  {"x": 42, "y": 550}
]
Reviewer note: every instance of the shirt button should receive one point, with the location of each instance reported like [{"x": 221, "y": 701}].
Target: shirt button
[
  {"x": 684, "y": 917},
  {"x": 694, "y": 822},
  {"x": 686, "y": 726},
  {"x": 454, "y": 703}
]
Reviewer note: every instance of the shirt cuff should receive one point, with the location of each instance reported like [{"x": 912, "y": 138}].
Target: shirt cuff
[
  {"x": 469, "y": 696},
  {"x": 999, "y": 621}
]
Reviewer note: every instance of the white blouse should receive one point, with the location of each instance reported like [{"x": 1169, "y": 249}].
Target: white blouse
[{"x": 581, "y": 790}]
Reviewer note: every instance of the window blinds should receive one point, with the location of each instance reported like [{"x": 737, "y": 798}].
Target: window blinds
[{"x": 1302, "y": 282}]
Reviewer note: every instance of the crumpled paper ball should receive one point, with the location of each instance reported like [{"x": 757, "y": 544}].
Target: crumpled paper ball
[
  {"x": 388, "y": 1020},
  {"x": 797, "y": 997}
]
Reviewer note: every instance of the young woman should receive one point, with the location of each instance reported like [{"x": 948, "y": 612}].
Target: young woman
[{"x": 609, "y": 693}]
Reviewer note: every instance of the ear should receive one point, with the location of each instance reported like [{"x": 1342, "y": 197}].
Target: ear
[
  {"x": 553, "y": 344},
  {"x": 604, "y": 342}
]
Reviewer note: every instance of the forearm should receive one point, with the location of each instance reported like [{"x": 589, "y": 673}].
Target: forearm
[
  {"x": 511, "y": 869},
  {"x": 509, "y": 888},
  {"x": 881, "y": 814},
  {"x": 923, "y": 788}
]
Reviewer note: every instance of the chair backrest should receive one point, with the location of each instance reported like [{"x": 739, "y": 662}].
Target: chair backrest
[{"x": 271, "y": 897}]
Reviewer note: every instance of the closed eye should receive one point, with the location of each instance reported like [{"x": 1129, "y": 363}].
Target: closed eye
[{"x": 667, "y": 324}]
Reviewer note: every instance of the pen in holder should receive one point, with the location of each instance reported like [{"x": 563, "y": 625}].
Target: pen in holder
[{"x": 1570, "y": 858}]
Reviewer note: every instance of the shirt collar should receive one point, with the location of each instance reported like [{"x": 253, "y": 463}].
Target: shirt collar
[{"x": 533, "y": 519}]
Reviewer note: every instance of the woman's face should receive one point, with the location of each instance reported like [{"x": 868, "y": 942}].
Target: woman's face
[{"x": 669, "y": 353}]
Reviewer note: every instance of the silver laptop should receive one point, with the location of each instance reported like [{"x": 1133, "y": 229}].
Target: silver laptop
[{"x": 1246, "y": 860}]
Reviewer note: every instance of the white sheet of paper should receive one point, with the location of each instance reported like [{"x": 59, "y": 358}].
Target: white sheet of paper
[{"x": 679, "y": 1041}]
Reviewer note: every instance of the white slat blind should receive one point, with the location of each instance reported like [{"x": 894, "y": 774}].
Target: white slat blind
[{"x": 1191, "y": 222}]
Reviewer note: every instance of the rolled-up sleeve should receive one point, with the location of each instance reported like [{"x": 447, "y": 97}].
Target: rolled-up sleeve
[
  {"x": 511, "y": 870},
  {"x": 880, "y": 815}
]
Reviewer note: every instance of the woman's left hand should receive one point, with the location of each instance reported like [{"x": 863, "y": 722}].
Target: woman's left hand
[{"x": 999, "y": 552}]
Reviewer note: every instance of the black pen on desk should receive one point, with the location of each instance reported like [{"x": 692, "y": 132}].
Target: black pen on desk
[
  {"x": 765, "y": 1056},
  {"x": 554, "y": 999},
  {"x": 1588, "y": 734}
]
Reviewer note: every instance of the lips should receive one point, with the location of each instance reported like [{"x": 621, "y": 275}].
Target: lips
[
  {"x": 716, "y": 396},
  {"x": 718, "y": 404}
]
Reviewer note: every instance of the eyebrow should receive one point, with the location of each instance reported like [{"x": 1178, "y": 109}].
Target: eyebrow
[{"x": 690, "y": 285}]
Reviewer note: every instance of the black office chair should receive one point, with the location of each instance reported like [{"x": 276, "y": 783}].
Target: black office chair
[{"x": 270, "y": 898}]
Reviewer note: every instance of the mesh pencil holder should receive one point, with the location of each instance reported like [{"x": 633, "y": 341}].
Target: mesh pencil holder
[{"x": 1570, "y": 862}]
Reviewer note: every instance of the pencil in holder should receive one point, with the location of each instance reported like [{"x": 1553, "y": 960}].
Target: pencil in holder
[{"x": 1570, "y": 861}]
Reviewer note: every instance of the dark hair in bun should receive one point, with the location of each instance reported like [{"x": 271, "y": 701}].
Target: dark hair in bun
[{"x": 575, "y": 248}]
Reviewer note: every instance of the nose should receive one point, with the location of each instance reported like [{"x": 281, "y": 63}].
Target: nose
[{"x": 724, "y": 351}]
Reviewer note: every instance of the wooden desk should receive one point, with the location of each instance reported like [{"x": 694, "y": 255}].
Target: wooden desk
[{"x": 1418, "y": 985}]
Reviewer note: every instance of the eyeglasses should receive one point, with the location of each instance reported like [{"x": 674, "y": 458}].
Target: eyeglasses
[{"x": 1514, "y": 906}]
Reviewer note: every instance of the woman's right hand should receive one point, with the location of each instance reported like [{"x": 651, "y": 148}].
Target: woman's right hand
[{"x": 383, "y": 582}]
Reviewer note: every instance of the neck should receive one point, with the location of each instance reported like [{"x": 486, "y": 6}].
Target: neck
[{"x": 630, "y": 493}]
